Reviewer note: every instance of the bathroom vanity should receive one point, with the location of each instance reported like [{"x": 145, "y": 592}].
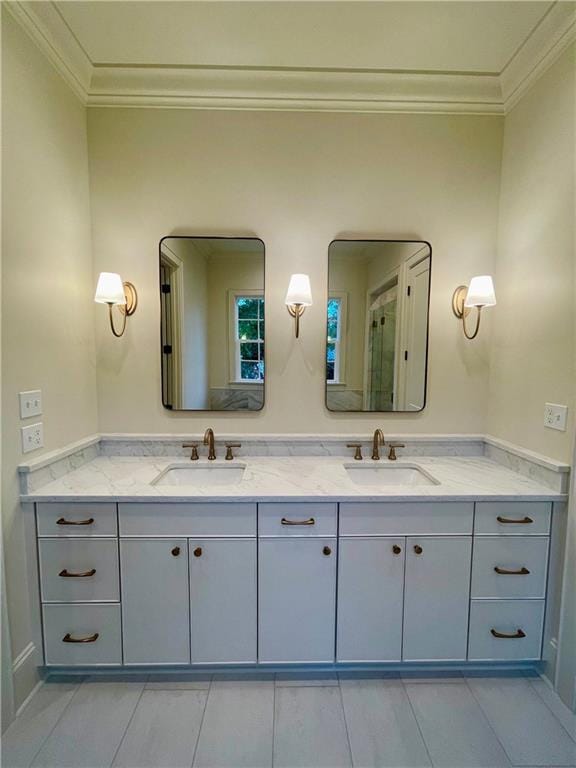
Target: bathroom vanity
[{"x": 293, "y": 563}]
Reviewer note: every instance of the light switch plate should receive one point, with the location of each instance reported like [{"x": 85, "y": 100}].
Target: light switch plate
[
  {"x": 30, "y": 403},
  {"x": 32, "y": 437},
  {"x": 555, "y": 416}
]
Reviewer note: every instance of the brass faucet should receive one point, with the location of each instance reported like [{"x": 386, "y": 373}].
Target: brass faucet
[
  {"x": 377, "y": 441},
  {"x": 209, "y": 441}
]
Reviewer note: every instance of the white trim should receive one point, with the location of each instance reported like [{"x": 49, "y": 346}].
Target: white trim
[
  {"x": 53, "y": 37},
  {"x": 538, "y": 52},
  {"x": 292, "y": 89},
  {"x": 25, "y": 677}
]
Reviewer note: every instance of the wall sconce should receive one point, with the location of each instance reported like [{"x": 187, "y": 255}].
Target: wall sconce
[
  {"x": 298, "y": 297},
  {"x": 111, "y": 290},
  {"x": 480, "y": 294}
]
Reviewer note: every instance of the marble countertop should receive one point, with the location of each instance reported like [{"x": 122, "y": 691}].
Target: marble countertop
[{"x": 291, "y": 478}]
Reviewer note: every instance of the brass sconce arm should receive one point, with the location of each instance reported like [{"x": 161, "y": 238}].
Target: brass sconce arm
[
  {"x": 296, "y": 311},
  {"x": 113, "y": 292},
  {"x": 461, "y": 311}
]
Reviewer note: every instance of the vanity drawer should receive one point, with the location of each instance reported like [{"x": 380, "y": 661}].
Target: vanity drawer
[
  {"x": 169, "y": 520},
  {"x": 97, "y": 625},
  {"x": 506, "y": 617},
  {"x": 298, "y": 519},
  {"x": 512, "y": 518},
  {"x": 70, "y": 519},
  {"x": 405, "y": 518},
  {"x": 521, "y": 562},
  {"x": 79, "y": 571}
]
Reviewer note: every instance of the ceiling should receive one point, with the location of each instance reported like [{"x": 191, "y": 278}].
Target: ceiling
[
  {"x": 455, "y": 57},
  {"x": 479, "y": 37}
]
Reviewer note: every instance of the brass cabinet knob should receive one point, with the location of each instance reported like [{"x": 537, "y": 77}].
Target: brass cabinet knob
[
  {"x": 176, "y": 551},
  {"x": 418, "y": 549},
  {"x": 396, "y": 549},
  {"x": 198, "y": 552},
  {"x": 327, "y": 551}
]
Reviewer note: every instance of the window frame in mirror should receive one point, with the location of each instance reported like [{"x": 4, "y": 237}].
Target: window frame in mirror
[
  {"x": 328, "y": 385},
  {"x": 245, "y": 383}
]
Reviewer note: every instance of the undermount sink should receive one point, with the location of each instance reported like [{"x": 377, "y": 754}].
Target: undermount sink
[
  {"x": 389, "y": 474},
  {"x": 201, "y": 475}
]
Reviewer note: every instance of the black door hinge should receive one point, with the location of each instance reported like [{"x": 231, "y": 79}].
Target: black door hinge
[
  {"x": 405, "y": 354},
  {"x": 408, "y": 290},
  {"x": 165, "y": 288},
  {"x": 167, "y": 349}
]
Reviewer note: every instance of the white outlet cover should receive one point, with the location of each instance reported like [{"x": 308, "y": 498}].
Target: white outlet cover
[
  {"x": 32, "y": 437},
  {"x": 30, "y": 403},
  {"x": 555, "y": 416}
]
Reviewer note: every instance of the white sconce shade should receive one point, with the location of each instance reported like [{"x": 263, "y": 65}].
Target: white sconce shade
[
  {"x": 481, "y": 292},
  {"x": 299, "y": 291},
  {"x": 110, "y": 289}
]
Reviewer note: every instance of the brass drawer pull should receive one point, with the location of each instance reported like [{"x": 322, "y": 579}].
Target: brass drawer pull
[
  {"x": 507, "y": 521},
  {"x": 326, "y": 551},
  {"x": 63, "y": 521},
  {"x": 418, "y": 549},
  {"x": 396, "y": 549},
  {"x": 505, "y": 572},
  {"x": 69, "y": 639},
  {"x": 176, "y": 551},
  {"x": 198, "y": 552},
  {"x": 502, "y": 636},
  {"x": 310, "y": 521},
  {"x": 67, "y": 575}
]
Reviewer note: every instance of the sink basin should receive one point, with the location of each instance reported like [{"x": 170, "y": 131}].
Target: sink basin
[
  {"x": 389, "y": 474},
  {"x": 200, "y": 475}
]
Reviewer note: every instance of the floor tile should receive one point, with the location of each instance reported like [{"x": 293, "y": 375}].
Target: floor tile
[
  {"x": 163, "y": 730},
  {"x": 287, "y": 679},
  {"x": 381, "y": 725},
  {"x": 238, "y": 725},
  {"x": 528, "y": 730},
  {"x": 454, "y": 728},
  {"x": 309, "y": 728},
  {"x": 449, "y": 676},
  {"x": 555, "y": 705},
  {"x": 184, "y": 681},
  {"x": 90, "y": 731},
  {"x": 26, "y": 735}
]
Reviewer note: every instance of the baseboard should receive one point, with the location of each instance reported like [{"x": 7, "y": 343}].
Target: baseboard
[{"x": 25, "y": 676}]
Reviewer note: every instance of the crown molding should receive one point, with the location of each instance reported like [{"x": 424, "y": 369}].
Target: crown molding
[
  {"x": 241, "y": 88},
  {"x": 540, "y": 50},
  {"x": 291, "y": 89},
  {"x": 51, "y": 34}
]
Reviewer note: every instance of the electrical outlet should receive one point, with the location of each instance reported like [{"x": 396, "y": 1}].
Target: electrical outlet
[
  {"x": 32, "y": 437},
  {"x": 30, "y": 403},
  {"x": 555, "y": 416}
]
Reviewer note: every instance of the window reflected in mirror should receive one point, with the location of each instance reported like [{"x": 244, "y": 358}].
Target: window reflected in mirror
[
  {"x": 212, "y": 323},
  {"x": 377, "y": 325}
]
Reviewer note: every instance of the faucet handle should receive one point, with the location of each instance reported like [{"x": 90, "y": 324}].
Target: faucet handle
[
  {"x": 357, "y": 452},
  {"x": 229, "y": 446},
  {"x": 392, "y": 452},
  {"x": 194, "y": 453}
]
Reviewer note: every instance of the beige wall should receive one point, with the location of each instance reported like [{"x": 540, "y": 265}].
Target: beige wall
[
  {"x": 48, "y": 336},
  {"x": 297, "y": 180},
  {"x": 533, "y": 356}
]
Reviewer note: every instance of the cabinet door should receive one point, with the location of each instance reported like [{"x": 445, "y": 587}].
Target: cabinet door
[
  {"x": 437, "y": 593},
  {"x": 297, "y": 599},
  {"x": 155, "y": 601},
  {"x": 370, "y": 596},
  {"x": 223, "y": 600}
]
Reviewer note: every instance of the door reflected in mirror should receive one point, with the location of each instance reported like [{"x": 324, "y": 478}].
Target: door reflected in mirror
[
  {"x": 377, "y": 325},
  {"x": 212, "y": 323}
]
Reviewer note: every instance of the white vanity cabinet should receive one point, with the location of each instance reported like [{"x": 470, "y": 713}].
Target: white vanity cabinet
[
  {"x": 297, "y": 554},
  {"x": 155, "y": 602},
  {"x": 436, "y": 598},
  {"x": 370, "y": 599},
  {"x": 223, "y": 601}
]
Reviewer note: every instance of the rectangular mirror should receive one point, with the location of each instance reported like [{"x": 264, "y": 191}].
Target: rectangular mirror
[
  {"x": 212, "y": 323},
  {"x": 377, "y": 325}
]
